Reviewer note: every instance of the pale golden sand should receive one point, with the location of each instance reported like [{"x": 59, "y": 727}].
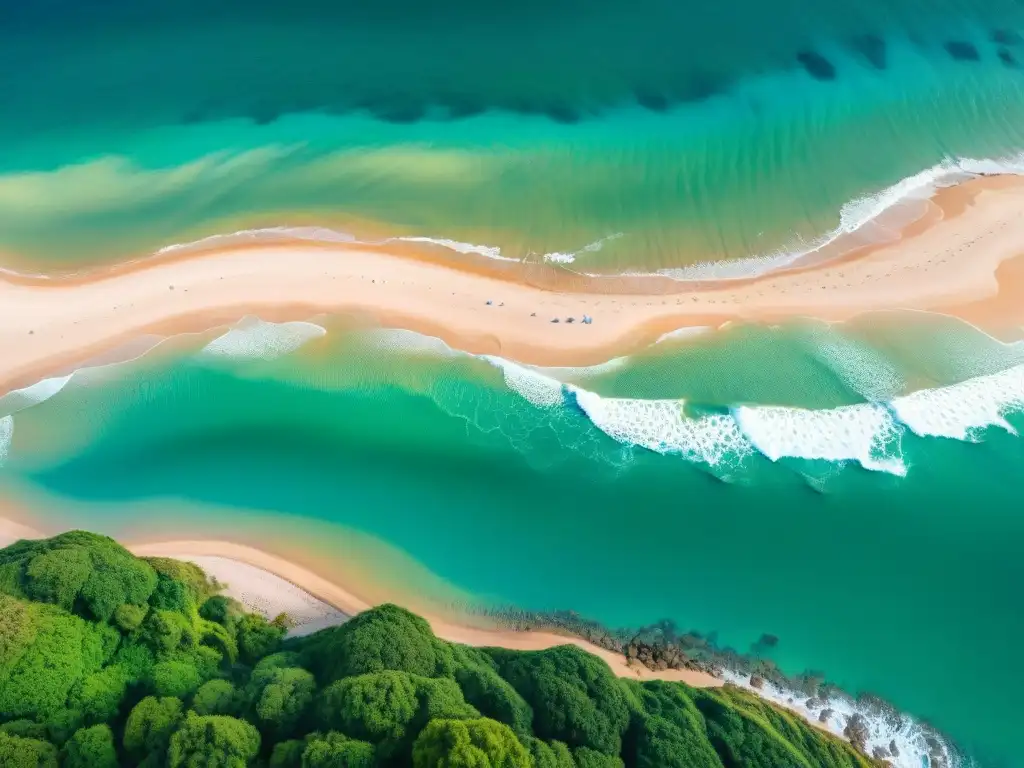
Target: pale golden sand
[{"x": 959, "y": 258}]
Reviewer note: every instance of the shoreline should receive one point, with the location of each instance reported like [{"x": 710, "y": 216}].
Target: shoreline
[
  {"x": 964, "y": 258},
  {"x": 272, "y": 584},
  {"x": 348, "y": 603}
]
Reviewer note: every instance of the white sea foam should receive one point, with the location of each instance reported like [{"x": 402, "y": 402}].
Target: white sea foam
[
  {"x": 33, "y": 394},
  {"x": 408, "y": 342},
  {"x": 6, "y": 435},
  {"x": 662, "y": 426},
  {"x": 960, "y": 411},
  {"x": 557, "y": 257},
  {"x": 884, "y": 728},
  {"x": 684, "y": 333},
  {"x": 541, "y": 390},
  {"x": 863, "y": 433},
  {"x": 861, "y": 367},
  {"x": 490, "y": 251},
  {"x": 255, "y": 339},
  {"x": 313, "y": 234},
  {"x": 855, "y": 215}
]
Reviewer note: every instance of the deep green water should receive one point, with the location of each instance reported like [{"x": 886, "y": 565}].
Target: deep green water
[{"x": 507, "y": 494}]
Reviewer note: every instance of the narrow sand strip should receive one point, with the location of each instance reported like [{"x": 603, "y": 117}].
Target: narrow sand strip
[
  {"x": 948, "y": 261},
  {"x": 240, "y": 567},
  {"x": 271, "y": 585}
]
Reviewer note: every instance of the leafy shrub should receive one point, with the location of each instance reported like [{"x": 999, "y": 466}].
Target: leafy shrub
[
  {"x": 382, "y": 638},
  {"x": 213, "y": 740},
  {"x": 91, "y": 748},
  {"x": 574, "y": 695},
  {"x": 16, "y": 752},
  {"x": 479, "y": 743},
  {"x": 217, "y": 697}
]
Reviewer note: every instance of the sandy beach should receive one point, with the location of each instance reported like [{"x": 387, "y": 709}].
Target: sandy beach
[{"x": 960, "y": 258}]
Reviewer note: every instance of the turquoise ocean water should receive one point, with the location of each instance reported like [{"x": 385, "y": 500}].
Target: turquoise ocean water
[{"x": 740, "y": 481}]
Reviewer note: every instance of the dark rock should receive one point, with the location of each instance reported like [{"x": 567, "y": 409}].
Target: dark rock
[
  {"x": 893, "y": 749},
  {"x": 756, "y": 682},
  {"x": 817, "y": 66},
  {"x": 813, "y": 703},
  {"x": 824, "y": 715},
  {"x": 961, "y": 50},
  {"x": 856, "y": 731},
  {"x": 1006, "y": 37},
  {"x": 879, "y": 753},
  {"x": 872, "y": 48},
  {"x": 1007, "y": 58}
]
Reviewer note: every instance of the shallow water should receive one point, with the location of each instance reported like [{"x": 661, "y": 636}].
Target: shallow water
[
  {"x": 900, "y": 580},
  {"x": 629, "y": 137}
]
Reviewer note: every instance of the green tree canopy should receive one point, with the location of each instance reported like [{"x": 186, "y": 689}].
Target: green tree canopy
[
  {"x": 16, "y": 752},
  {"x": 495, "y": 698},
  {"x": 150, "y": 725},
  {"x": 671, "y": 731},
  {"x": 284, "y": 700},
  {"x": 584, "y": 757},
  {"x": 78, "y": 569},
  {"x": 213, "y": 741},
  {"x": 374, "y": 707},
  {"x": 44, "y": 653},
  {"x": 90, "y": 748},
  {"x": 335, "y": 750},
  {"x": 574, "y": 695},
  {"x": 288, "y": 754},
  {"x": 174, "y": 678},
  {"x": 481, "y": 743},
  {"x": 257, "y": 637},
  {"x": 217, "y": 697},
  {"x": 382, "y": 638},
  {"x": 552, "y": 754}
]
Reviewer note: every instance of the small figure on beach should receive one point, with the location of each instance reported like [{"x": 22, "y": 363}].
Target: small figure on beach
[
  {"x": 587, "y": 319},
  {"x": 489, "y": 302}
]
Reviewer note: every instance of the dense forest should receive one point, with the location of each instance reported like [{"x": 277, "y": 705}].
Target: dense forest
[{"x": 111, "y": 660}]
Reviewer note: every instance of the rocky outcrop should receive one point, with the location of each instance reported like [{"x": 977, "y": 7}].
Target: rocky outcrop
[
  {"x": 756, "y": 682},
  {"x": 656, "y": 657},
  {"x": 824, "y": 715},
  {"x": 857, "y": 732},
  {"x": 814, "y": 703},
  {"x": 880, "y": 753},
  {"x": 936, "y": 754},
  {"x": 893, "y": 749}
]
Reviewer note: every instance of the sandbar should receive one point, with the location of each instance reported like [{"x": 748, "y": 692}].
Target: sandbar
[{"x": 962, "y": 258}]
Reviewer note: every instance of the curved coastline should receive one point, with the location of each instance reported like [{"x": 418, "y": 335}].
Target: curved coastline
[
  {"x": 270, "y": 583},
  {"x": 963, "y": 260}
]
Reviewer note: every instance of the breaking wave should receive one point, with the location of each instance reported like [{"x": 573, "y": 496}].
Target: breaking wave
[
  {"x": 869, "y": 434},
  {"x": 961, "y": 411}
]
